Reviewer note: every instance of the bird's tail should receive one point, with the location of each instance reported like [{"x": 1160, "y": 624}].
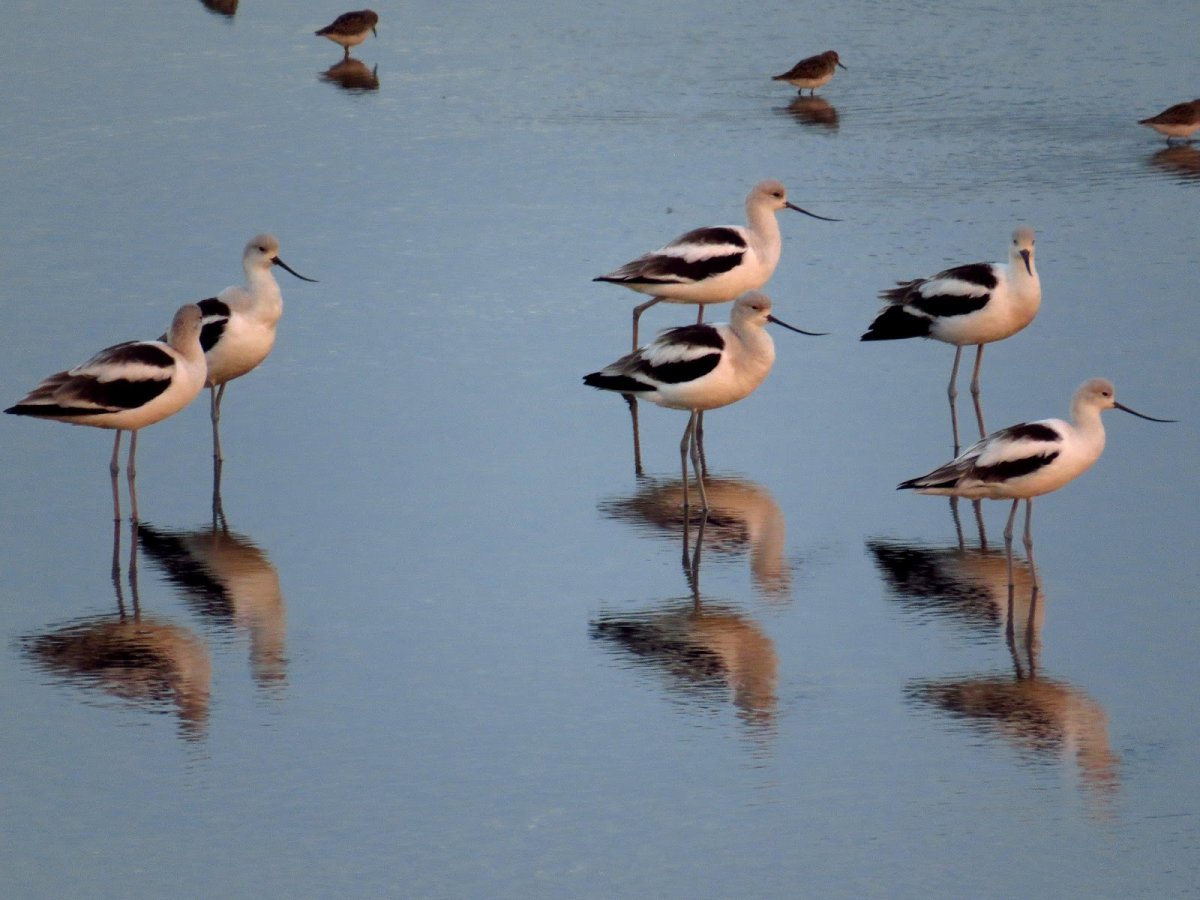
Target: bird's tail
[
  {"x": 896, "y": 323},
  {"x": 624, "y": 384}
]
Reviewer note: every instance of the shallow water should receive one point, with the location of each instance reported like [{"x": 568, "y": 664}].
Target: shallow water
[{"x": 451, "y": 646}]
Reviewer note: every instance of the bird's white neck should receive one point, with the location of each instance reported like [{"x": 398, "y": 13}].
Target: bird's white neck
[
  {"x": 266, "y": 300},
  {"x": 757, "y": 346},
  {"x": 1089, "y": 426},
  {"x": 764, "y": 233}
]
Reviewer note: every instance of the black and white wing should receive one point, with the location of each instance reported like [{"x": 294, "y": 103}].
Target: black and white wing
[
  {"x": 676, "y": 356},
  {"x": 692, "y": 257},
  {"x": 122, "y": 377},
  {"x": 215, "y": 316}
]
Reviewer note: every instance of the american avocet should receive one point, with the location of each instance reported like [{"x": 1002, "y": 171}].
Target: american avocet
[
  {"x": 811, "y": 72},
  {"x": 239, "y": 324},
  {"x": 1178, "y": 121},
  {"x": 126, "y": 387},
  {"x": 972, "y": 304},
  {"x": 699, "y": 367},
  {"x": 350, "y": 29},
  {"x": 1030, "y": 459},
  {"x": 712, "y": 265}
]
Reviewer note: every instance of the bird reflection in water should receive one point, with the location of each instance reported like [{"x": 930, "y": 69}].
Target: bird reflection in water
[
  {"x": 352, "y": 75},
  {"x": 741, "y": 515},
  {"x": 148, "y": 663},
  {"x": 708, "y": 653},
  {"x": 227, "y": 579},
  {"x": 1182, "y": 160},
  {"x": 967, "y": 587},
  {"x": 813, "y": 111},
  {"x": 1045, "y": 719},
  {"x": 226, "y": 8}
]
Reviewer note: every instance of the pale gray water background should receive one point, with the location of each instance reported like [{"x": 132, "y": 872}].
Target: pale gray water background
[{"x": 432, "y": 700}]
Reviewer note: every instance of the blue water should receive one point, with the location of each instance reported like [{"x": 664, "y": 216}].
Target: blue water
[{"x": 451, "y": 646}]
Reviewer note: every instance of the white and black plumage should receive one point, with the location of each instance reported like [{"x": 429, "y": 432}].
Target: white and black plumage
[
  {"x": 699, "y": 367},
  {"x": 127, "y": 386},
  {"x": 712, "y": 265},
  {"x": 1030, "y": 459},
  {"x": 1179, "y": 121},
  {"x": 350, "y": 29},
  {"x": 812, "y": 72},
  {"x": 975, "y": 304},
  {"x": 239, "y": 323}
]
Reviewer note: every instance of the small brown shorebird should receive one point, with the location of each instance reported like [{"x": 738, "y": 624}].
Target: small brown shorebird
[
  {"x": 1178, "y": 121},
  {"x": 350, "y": 29},
  {"x": 811, "y": 73}
]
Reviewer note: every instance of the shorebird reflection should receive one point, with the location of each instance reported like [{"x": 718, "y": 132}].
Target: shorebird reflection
[
  {"x": 1182, "y": 160},
  {"x": 814, "y": 112},
  {"x": 707, "y": 653},
  {"x": 1043, "y": 718},
  {"x": 226, "y": 578},
  {"x": 352, "y": 75},
  {"x": 742, "y": 515},
  {"x": 147, "y": 663},
  {"x": 966, "y": 587}
]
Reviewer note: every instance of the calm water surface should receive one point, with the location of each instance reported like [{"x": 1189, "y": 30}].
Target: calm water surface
[{"x": 450, "y": 645}]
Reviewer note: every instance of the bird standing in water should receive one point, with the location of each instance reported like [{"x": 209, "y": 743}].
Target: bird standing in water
[
  {"x": 1030, "y": 459},
  {"x": 239, "y": 324},
  {"x": 699, "y": 367},
  {"x": 975, "y": 304},
  {"x": 350, "y": 29},
  {"x": 126, "y": 387},
  {"x": 812, "y": 72},
  {"x": 715, "y": 264}
]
